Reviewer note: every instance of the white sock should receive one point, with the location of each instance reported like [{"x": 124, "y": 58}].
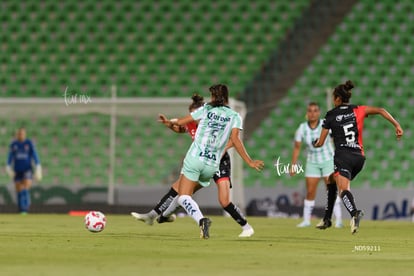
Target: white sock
[
  {"x": 307, "y": 209},
  {"x": 246, "y": 226},
  {"x": 337, "y": 209},
  {"x": 173, "y": 205},
  {"x": 152, "y": 214},
  {"x": 191, "y": 207}
]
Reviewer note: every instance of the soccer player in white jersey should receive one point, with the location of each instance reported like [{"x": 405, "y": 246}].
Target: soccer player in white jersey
[
  {"x": 319, "y": 162},
  {"x": 217, "y": 124}
]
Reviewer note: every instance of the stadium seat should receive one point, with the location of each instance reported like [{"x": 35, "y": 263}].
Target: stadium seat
[
  {"x": 85, "y": 32},
  {"x": 361, "y": 49},
  {"x": 174, "y": 48}
]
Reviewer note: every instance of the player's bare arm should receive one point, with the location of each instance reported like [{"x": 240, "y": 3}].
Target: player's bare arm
[
  {"x": 319, "y": 143},
  {"x": 170, "y": 124},
  {"x": 229, "y": 145},
  {"x": 183, "y": 121},
  {"x": 295, "y": 155},
  {"x": 241, "y": 150},
  {"x": 371, "y": 110}
]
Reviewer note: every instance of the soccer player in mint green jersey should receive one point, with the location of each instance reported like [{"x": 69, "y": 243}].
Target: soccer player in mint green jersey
[
  {"x": 168, "y": 203},
  {"x": 217, "y": 124},
  {"x": 319, "y": 162}
]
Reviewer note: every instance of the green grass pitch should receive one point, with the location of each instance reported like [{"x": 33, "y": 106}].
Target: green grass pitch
[{"x": 60, "y": 245}]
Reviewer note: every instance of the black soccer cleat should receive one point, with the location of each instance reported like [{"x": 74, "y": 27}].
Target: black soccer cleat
[
  {"x": 162, "y": 219},
  {"x": 355, "y": 221},
  {"x": 204, "y": 228},
  {"x": 323, "y": 224}
]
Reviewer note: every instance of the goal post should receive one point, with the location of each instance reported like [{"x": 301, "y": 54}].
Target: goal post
[
  {"x": 329, "y": 103},
  {"x": 237, "y": 175},
  {"x": 112, "y": 142}
]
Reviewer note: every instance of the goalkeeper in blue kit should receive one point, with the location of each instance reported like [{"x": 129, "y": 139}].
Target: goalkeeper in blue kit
[{"x": 19, "y": 167}]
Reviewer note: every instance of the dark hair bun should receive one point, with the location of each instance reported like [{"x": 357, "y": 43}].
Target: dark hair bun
[
  {"x": 197, "y": 98},
  {"x": 348, "y": 85}
]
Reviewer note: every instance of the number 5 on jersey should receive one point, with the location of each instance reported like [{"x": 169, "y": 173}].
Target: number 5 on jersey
[{"x": 349, "y": 134}]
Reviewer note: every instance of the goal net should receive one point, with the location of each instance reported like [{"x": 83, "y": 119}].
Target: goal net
[{"x": 115, "y": 143}]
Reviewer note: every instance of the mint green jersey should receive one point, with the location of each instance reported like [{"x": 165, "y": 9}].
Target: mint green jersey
[
  {"x": 213, "y": 132},
  {"x": 306, "y": 135}
]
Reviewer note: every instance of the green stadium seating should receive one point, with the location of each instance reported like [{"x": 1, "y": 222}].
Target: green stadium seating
[
  {"x": 74, "y": 149},
  {"x": 172, "y": 49},
  {"x": 372, "y": 47},
  {"x": 137, "y": 45}
]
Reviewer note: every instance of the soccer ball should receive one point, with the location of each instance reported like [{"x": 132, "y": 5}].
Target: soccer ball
[{"x": 95, "y": 221}]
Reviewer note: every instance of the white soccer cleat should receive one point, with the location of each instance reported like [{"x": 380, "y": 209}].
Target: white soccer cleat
[
  {"x": 247, "y": 233},
  {"x": 355, "y": 221},
  {"x": 324, "y": 224},
  {"x": 303, "y": 224},
  {"x": 143, "y": 217}
]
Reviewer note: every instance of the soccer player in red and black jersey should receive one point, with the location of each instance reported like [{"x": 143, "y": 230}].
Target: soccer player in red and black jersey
[
  {"x": 346, "y": 122},
  {"x": 164, "y": 203}
]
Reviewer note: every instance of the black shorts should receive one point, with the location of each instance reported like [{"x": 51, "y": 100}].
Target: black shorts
[
  {"x": 224, "y": 170},
  {"x": 20, "y": 176},
  {"x": 348, "y": 163}
]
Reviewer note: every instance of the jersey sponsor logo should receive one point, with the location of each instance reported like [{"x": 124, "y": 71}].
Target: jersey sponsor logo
[
  {"x": 208, "y": 154},
  {"x": 351, "y": 145},
  {"x": 214, "y": 116},
  {"x": 216, "y": 125},
  {"x": 22, "y": 156},
  {"x": 341, "y": 117}
]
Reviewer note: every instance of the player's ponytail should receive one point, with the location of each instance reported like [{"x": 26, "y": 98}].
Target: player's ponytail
[
  {"x": 220, "y": 95},
  {"x": 348, "y": 85},
  {"x": 343, "y": 91},
  {"x": 198, "y": 101}
]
